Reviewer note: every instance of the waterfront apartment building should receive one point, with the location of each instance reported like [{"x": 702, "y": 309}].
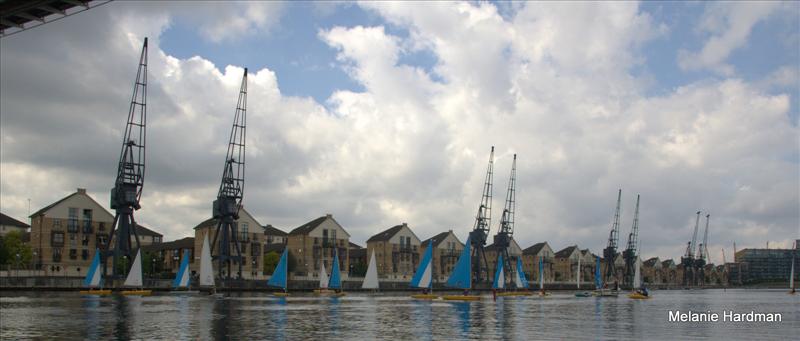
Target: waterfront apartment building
[
  {"x": 652, "y": 271},
  {"x": 273, "y": 235},
  {"x": 396, "y": 252},
  {"x": 315, "y": 242},
  {"x": 250, "y": 237},
  {"x": 446, "y": 250},
  {"x": 169, "y": 254},
  {"x": 65, "y": 234},
  {"x": 767, "y": 265},
  {"x": 8, "y": 224},
  {"x": 566, "y": 262},
  {"x": 493, "y": 251},
  {"x": 530, "y": 262}
]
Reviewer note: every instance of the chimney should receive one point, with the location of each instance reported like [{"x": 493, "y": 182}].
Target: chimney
[
  {"x": 82, "y": 190},
  {"x": 328, "y": 215},
  {"x": 405, "y": 225}
]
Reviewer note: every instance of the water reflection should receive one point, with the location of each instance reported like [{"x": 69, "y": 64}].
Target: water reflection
[
  {"x": 91, "y": 306},
  {"x": 422, "y": 319},
  {"x": 223, "y": 316},
  {"x": 462, "y": 310},
  {"x": 121, "y": 326}
]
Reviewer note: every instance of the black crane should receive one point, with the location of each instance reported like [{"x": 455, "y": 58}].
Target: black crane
[
  {"x": 702, "y": 257},
  {"x": 127, "y": 191},
  {"x": 231, "y": 190},
  {"x": 610, "y": 252},
  {"x": 630, "y": 252},
  {"x": 502, "y": 240},
  {"x": 480, "y": 231},
  {"x": 688, "y": 260}
]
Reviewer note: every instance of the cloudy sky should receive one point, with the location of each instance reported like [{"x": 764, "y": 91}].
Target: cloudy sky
[{"x": 383, "y": 113}]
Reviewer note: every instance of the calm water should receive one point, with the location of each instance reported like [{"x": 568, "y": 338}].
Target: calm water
[{"x": 391, "y": 316}]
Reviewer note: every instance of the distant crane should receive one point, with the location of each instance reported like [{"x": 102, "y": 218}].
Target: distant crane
[
  {"x": 689, "y": 258},
  {"x": 127, "y": 191},
  {"x": 702, "y": 256},
  {"x": 503, "y": 237},
  {"x": 610, "y": 252},
  {"x": 630, "y": 252},
  {"x": 480, "y": 231},
  {"x": 231, "y": 191}
]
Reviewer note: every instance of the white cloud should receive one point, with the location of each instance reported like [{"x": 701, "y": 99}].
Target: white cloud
[
  {"x": 555, "y": 89},
  {"x": 728, "y": 26}
]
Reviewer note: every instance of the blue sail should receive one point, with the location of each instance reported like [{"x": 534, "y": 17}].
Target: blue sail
[
  {"x": 423, "y": 277},
  {"x": 335, "y": 281},
  {"x": 523, "y": 281},
  {"x": 93, "y": 278},
  {"x": 182, "y": 271},
  {"x": 499, "y": 275},
  {"x": 278, "y": 278},
  {"x": 462, "y": 275},
  {"x": 597, "y": 282}
]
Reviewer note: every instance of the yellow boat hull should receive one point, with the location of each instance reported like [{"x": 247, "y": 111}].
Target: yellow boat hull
[
  {"x": 324, "y": 291},
  {"x": 638, "y": 296},
  {"x": 515, "y": 293},
  {"x": 137, "y": 292},
  {"x": 425, "y": 296},
  {"x": 280, "y": 294},
  {"x": 96, "y": 292},
  {"x": 461, "y": 298}
]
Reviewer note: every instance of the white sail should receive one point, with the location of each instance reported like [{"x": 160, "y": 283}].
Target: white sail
[
  {"x": 96, "y": 277},
  {"x": 206, "y": 269},
  {"x": 371, "y": 279},
  {"x": 637, "y": 277},
  {"x": 425, "y": 281},
  {"x": 518, "y": 280},
  {"x": 541, "y": 280},
  {"x": 135, "y": 275},
  {"x": 323, "y": 276},
  {"x": 184, "y": 283},
  {"x": 501, "y": 279},
  {"x": 578, "y": 275}
]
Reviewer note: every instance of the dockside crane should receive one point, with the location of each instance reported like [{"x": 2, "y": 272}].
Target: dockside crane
[
  {"x": 506, "y": 231},
  {"x": 127, "y": 191},
  {"x": 630, "y": 251},
  {"x": 480, "y": 231},
  {"x": 688, "y": 259},
  {"x": 610, "y": 252},
  {"x": 231, "y": 191},
  {"x": 702, "y": 256}
]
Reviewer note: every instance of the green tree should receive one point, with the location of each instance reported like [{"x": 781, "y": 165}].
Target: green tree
[
  {"x": 359, "y": 269},
  {"x": 16, "y": 251},
  {"x": 271, "y": 260},
  {"x": 3, "y": 252}
]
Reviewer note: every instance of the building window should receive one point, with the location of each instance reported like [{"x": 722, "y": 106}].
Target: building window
[
  {"x": 243, "y": 247},
  {"x": 72, "y": 222},
  {"x": 87, "y": 221},
  {"x": 102, "y": 239},
  {"x": 255, "y": 250},
  {"x": 269, "y": 239},
  {"x": 57, "y": 254},
  {"x": 57, "y": 239},
  {"x": 73, "y": 241},
  {"x": 84, "y": 254},
  {"x": 56, "y": 224},
  {"x": 102, "y": 227},
  {"x": 156, "y": 239},
  {"x": 85, "y": 240},
  {"x": 73, "y": 254}
]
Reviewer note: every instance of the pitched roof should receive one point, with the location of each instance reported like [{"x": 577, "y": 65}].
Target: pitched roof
[
  {"x": 183, "y": 243},
  {"x": 651, "y": 261},
  {"x": 8, "y": 221},
  {"x": 80, "y": 191},
  {"x": 273, "y": 231},
  {"x": 535, "y": 249},
  {"x": 213, "y": 221},
  {"x": 437, "y": 239},
  {"x": 386, "y": 234},
  {"x": 668, "y": 262},
  {"x": 143, "y": 231},
  {"x": 566, "y": 252},
  {"x": 354, "y": 246},
  {"x": 309, "y": 226}
]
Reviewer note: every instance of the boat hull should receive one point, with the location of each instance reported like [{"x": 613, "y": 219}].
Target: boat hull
[
  {"x": 137, "y": 292},
  {"x": 96, "y": 292},
  {"x": 425, "y": 296},
  {"x": 605, "y": 294},
  {"x": 461, "y": 298},
  {"x": 638, "y": 296},
  {"x": 583, "y": 294},
  {"x": 184, "y": 292},
  {"x": 514, "y": 293},
  {"x": 280, "y": 294}
]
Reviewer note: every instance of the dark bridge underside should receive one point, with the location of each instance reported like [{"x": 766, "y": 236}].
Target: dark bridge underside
[{"x": 18, "y": 15}]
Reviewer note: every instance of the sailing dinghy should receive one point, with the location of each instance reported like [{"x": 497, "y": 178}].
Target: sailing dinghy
[
  {"x": 461, "y": 278},
  {"x": 371, "y": 278},
  {"x": 578, "y": 282},
  {"x": 640, "y": 292},
  {"x": 792, "y": 289},
  {"x": 520, "y": 282},
  {"x": 94, "y": 278},
  {"x": 134, "y": 279},
  {"x": 323, "y": 280},
  {"x": 542, "y": 292},
  {"x": 206, "y": 268},
  {"x": 279, "y": 278},
  {"x": 423, "y": 278},
  {"x": 181, "y": 283}
]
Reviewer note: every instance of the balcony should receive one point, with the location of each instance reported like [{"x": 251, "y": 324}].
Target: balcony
[
  {"x": 87, "y": 227},
  {"x": 244, "y": 237},
  {"x": 72, "y": 226},
  {"x": 449, "y": 253}
]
